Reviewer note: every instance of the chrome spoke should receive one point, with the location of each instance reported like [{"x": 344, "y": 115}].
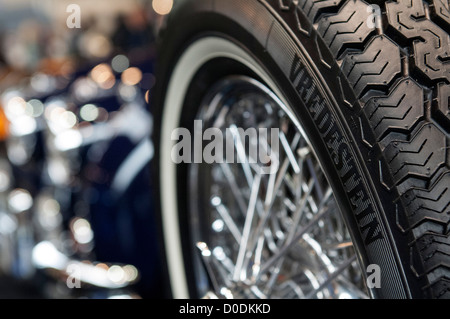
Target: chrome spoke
[
  {"x": 234, "y": 187},
  {"x": 332, "y": 277},
  {"x": 247, "y": 228},
  {"x": 215, "y": 275},
  {"x": 228, "y": 220},
  {"x": 285, "y": 249},
  {"x": 289, "y": 153},
  {"x": 271, "y": 235},
  {"x": 242, "y": 156}
]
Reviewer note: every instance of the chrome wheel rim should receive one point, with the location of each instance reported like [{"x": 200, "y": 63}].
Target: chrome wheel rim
[{"x": 266, "y": 235}]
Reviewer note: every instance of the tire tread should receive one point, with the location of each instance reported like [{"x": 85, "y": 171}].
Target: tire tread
[{"x": 401, "y": 74}]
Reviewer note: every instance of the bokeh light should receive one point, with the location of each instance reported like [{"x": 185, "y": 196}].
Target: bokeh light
[
  {"x": 116, "y": 274},
  {"x": 35, "y": 108},
  {"x": 49, "y": 215},
  {"x": 95, "y": 45},
  {"x": 89, "y": 112},
  {"x": 5, "y": 180},
  {"x": 103, "y": 75},
  {"x": 131, "y": 76},
  {"x": 68, "y": 119},
  {"x": 23, "y": 125},
  {"x": 20, "y": 200},
  {"x": 131, "y": 273},
  {"x": 82, "y": 231},
  {"x": 15, "y": 107},
  {"x": 68, "y": 140},
  {"x": 120, "y": 63},
  {"x": 162, "y": 7}
]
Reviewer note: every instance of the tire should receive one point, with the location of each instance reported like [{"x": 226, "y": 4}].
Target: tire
[{"x": 368, "y": 81}]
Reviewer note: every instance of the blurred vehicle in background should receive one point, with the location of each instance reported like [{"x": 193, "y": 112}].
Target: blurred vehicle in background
[{"x": 75, "y": 205}]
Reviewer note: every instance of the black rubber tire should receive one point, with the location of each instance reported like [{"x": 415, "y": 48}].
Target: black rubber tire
[{"x": 377, "y": 109}]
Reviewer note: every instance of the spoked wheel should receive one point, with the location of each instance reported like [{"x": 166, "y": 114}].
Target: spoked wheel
[{"x": 274, "y": 233}]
